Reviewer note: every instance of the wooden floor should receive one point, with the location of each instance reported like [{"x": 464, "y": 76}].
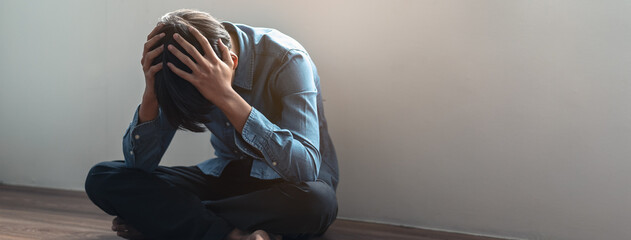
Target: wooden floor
[{"x": 38, "y": 213}]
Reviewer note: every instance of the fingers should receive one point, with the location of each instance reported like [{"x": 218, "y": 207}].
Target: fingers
[
  {"x": 183, "y": 74},
  {"x": 155, "y": 30},
  {"x": 148, "y": 58},
  {"x": 225, "y": 53},
  {"x": 188, "y": 47},
  {"x": 185, "y": 59},
  {"x": 154, "y": 69},
  {"x": 152, "y": 39},
  {"x": 147, "y": 48},
  {"x": 208, "y": 51},
  {"x": 151, "y": 42}
]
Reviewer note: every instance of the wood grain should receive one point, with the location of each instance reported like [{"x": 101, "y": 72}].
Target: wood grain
[{"x": 39, "y": 213}]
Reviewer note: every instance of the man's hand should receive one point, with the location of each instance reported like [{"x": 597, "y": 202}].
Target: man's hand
[
  {"x": 212, "y": 76},
  {"x": 149, "y": 106}
]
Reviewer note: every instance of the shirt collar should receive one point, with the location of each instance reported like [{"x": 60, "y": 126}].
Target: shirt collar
[{"x": 244, "y": 75}]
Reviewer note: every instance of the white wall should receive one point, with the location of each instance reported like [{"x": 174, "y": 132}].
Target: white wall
[{"x": 507, "y": 118}]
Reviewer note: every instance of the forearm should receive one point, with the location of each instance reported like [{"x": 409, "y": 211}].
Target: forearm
[
  {"x": 235, "y": 108},
  {"x": 294, "y": 155},
  {"x": 148, "y": 107}
]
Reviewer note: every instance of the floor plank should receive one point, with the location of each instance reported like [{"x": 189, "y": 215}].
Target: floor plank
[{"x": 40, "y": 213}]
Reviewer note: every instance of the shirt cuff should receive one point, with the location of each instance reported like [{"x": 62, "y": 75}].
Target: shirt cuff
[
  {"x": 137, "y": 134},
  {"x": 140, "y": 130},
  {"x": 246, "y": 147},
  {"x": 256, "y": 130}
]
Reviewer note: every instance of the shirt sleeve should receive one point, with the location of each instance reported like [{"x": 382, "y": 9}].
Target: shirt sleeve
[
  {"x": 290, "y": 145},
  {"x": 144, "y": 144}
]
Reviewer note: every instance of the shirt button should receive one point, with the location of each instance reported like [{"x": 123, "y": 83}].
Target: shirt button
[
  {"x": 137, "y": 137},
  {"x": 131, "y": 152},
  {"x": 227, "y": 124},
  {"x": 274, "y": 163}
]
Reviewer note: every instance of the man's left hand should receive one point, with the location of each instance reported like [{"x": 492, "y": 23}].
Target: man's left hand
[{"x": 211, "y": 75}]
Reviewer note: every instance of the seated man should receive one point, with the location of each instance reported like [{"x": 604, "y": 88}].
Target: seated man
[{"x": 258, "y": 92}]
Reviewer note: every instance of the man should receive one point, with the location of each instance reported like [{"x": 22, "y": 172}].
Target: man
[{"x": 258, "y": 92}]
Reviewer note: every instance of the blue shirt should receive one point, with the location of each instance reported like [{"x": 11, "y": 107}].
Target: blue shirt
[{"x": 286, "y": 132}]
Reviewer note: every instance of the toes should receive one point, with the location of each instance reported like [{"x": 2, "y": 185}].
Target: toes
[
  {"x": 130, "y": 234},
  {"x": 118, "y": 221},
  {"x": 123, "y": 234},
  {"x": 119, "y": 228},
  {"x": 124, "y": 230},
  {"x": 118, "y": 225},
  {"x": 259, "y": 235}
]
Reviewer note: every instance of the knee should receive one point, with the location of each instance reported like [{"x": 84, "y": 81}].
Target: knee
[
  {"x": 99, "y": 177},
  {"x": 317, "y": 204},
  {"x": 319, "y": 197}
]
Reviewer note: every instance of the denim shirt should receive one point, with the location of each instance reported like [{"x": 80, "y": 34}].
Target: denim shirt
[{"x": 286, "y": 132}]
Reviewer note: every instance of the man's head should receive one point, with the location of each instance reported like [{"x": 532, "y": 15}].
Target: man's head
[{"x": 183, "y": 105}]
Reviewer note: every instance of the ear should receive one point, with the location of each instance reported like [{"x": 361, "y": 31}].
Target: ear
[{"x": 235, "y": 60}]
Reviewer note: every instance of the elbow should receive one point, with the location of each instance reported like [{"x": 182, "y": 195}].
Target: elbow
[
  {"x": 314, "y": 161},
  {"x": 306, "y": 177},
  {"x": 299, "y": 173},
  {"x": 312, "y": 176},
  {"x": 298, "y": 163},
  {"x": 310, "y": 170}
]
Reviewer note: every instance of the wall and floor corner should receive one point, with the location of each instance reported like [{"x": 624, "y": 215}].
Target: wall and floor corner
[{"x": 505, "y": 118}]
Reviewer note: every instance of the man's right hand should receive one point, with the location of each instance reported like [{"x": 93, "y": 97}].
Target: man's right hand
[{"x": 149, "y": 106}]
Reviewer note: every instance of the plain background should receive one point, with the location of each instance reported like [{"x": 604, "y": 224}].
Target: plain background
[{"x": 505, "y": 118}]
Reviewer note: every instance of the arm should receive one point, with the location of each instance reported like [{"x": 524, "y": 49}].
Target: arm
[
  {"x": 149, "y": 133},
  {"x": 290, "y": 146},
  {"x": 145, "y": 143}
]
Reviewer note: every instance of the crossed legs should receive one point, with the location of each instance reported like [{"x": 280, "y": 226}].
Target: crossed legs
[{"x": 184, "y": 203}]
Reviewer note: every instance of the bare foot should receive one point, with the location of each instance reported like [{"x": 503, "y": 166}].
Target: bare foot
[
  {"x": 237, "y": 234},
  {"x": 262, "y": 235},
  {"x": 124, "y": 230}
]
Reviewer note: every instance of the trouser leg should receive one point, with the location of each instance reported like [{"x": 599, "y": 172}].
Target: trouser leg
[
  {"x": 161, "y": 205},
  {"x": 294, "y": 210},
  {"x": 168, "y": 203}
]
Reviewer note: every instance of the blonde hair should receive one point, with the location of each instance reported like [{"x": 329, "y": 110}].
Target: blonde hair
[{"x": 210, "y": 27}]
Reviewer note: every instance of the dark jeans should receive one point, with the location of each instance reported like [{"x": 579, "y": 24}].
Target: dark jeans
[{"x": 184, "y": 203}]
